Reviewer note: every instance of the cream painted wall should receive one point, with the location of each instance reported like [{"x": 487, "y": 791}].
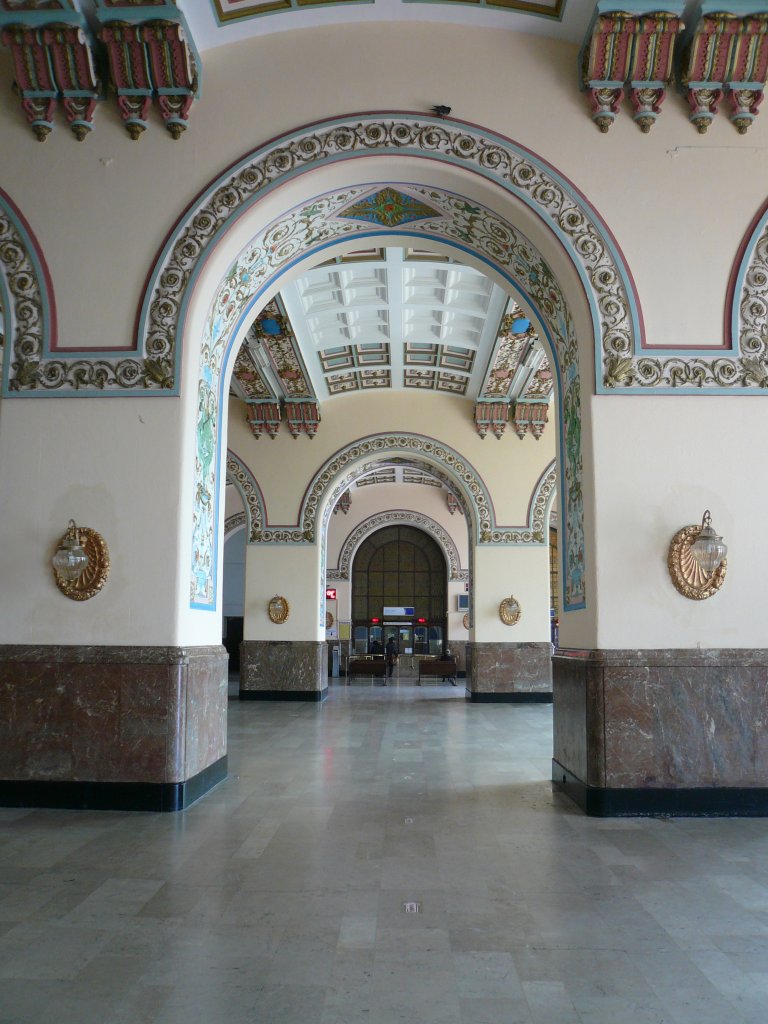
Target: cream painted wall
[
  {"x": 233, "y": 503},
  {"x": 111, "y": 465},
  {"x": 293, "y": 573},
  {"x": 522, "y": 572},
  {"x": 659, "y": 465},
  {"x": 138, "y": 189}
]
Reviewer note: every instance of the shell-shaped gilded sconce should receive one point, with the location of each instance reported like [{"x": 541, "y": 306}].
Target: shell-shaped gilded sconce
[{"x": 689, "y": 578}]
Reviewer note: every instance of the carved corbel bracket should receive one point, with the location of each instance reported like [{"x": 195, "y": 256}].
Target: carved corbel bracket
[
  {"x": 633, "y": 51},
  {"x": 53, "y": 64},
  {"x": 150, "y": 53},
  {"x": 530, "y": 417},
  {"x": 263, "y": 418},
  {"x": 491, "y": 416},
  {"x": 725, "y": 54},
  {"x": 151, "y": 60}
]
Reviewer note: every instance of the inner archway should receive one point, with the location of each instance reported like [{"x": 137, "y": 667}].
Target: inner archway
[{"x": 400, "y": 590}]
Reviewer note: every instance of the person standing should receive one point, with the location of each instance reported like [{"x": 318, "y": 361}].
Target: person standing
[{"x": 390, "y": 654}]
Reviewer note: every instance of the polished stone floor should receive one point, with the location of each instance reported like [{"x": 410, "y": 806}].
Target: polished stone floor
[{"x": 281, "y": 897}]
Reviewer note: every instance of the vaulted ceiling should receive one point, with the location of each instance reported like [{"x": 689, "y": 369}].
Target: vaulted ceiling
[{"x": 398, "y": 320}]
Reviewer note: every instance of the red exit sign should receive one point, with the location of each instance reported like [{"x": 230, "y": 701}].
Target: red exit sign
[{"x": 330, "y": 593}]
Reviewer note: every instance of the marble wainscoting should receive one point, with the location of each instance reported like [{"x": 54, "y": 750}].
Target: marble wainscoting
[
  {"x": 120, "y": 728},
  {"x": 509, "y": 673},
  {"x": 680, "y": 732},
  {"x": 283, "y": 670}
]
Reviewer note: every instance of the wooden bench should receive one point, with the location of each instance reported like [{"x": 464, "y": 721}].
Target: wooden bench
[
  {"x": 443, "y": 667},
  {"x": 366, "y": 667}
]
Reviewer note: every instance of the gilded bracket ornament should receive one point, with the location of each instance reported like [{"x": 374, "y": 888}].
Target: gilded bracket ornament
[{"x": 688, "y": 577}]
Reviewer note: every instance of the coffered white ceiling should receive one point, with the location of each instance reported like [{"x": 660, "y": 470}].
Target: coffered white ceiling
[
  {"x": 403, "y": 320},
  {"x": 395, "y": 319}
]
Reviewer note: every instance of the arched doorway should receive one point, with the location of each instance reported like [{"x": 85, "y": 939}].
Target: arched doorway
[{"x": 399, "y": 591}]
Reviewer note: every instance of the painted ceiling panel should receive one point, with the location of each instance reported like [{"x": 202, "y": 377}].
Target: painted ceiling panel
[
  {"x": 218, "y": 22},
  {"x": 229, "y": 11}
]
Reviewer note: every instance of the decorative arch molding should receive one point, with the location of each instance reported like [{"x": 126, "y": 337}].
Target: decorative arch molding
[
  {"x": 747, "y": 309},
  {"x": 620, "y": 364},
  {"x": 250, "y": 492},
  {"x": 559, "y": 206},
  {"x": 361, "y": 456},
  {"x": 235, "y": 522},
  {"x": 26, "y": 298},
  {"x": 411, "y": 518},
  {"x": 541, "y": 502}
]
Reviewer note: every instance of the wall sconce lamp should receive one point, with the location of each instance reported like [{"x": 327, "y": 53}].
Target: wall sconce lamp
[
  {"x": 70, "y": 558},
  {"x": 696, "y": 560},
  {"x": 80, "y": 562}
]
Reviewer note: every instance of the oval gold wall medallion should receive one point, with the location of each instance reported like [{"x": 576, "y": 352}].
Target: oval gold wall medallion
[
  {"x": 278, "y": 609},
  {"x": 510, "y": 611},
  {"x": 465, "y": 620}
]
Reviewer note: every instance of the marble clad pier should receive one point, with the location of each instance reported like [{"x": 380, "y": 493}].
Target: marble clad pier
[{"x": 279, "y": 897}]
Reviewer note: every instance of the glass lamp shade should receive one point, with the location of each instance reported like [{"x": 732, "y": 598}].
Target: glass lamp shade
[
  {"x": 708, "y": 548},
  {"x": 70, "y": 559}
]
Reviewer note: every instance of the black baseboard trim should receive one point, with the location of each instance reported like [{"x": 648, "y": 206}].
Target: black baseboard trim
[
  {"x": 519, "y": 697},
  {"x": 112, "y": 796},
  {"x": 693, "y": 802},
  {"x": 314, "y": 696}
]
